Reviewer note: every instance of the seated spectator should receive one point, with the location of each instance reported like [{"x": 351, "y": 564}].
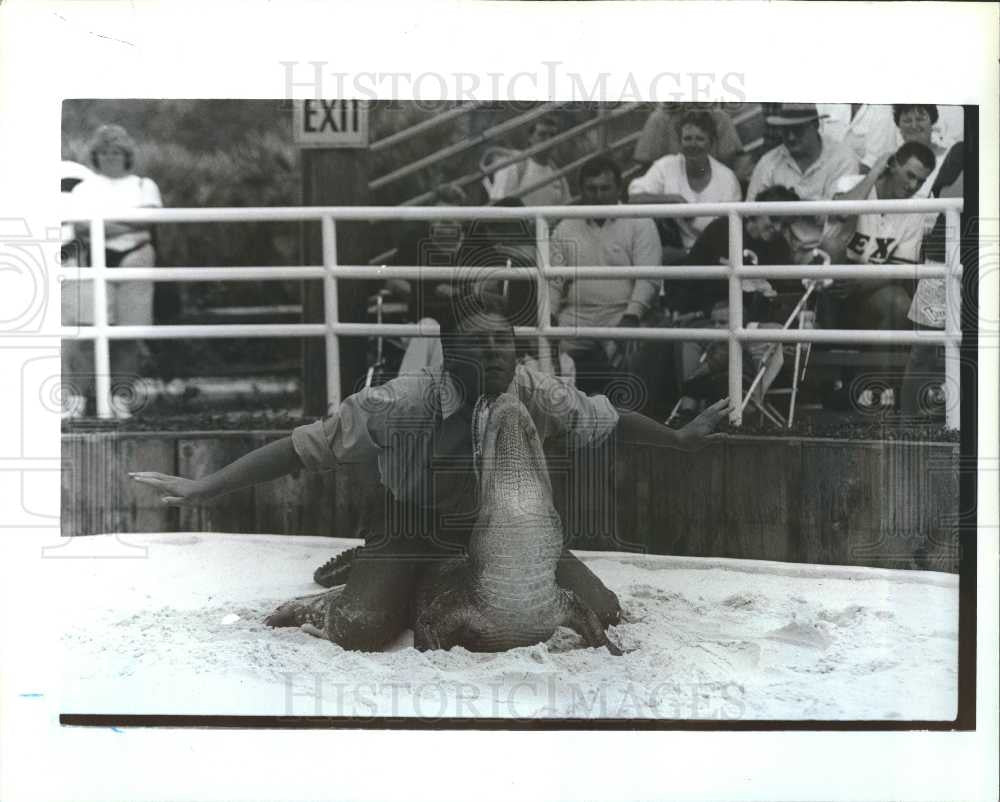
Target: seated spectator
[
  {"x": 916, "y": 124},
  {"x": 805, "y": 161},
  {"x": 922, "y": 394},
  {"x": 763, "y": 236},
  {"x": 691, "y": 176},
  {"x": 866, "y": 128},
  {"x": 510, "y": 180},
  {"x": 949, "y": 128},
  {"x": 879, "y": 239},
  {"x": 433, "y": 244},
  {"x": 625, "y": 242},
  {"x": 661, "y": 136}
]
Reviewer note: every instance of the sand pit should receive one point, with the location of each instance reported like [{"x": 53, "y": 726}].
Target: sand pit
[{"x": 172, "y": 624}]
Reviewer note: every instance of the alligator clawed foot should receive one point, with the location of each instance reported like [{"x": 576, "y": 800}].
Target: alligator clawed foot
[{"x": 316, "y": 632}]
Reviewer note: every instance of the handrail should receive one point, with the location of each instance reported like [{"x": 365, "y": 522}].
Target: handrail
[
  {"x": 521, "y": 155},
  {"x": 425, "y": 125},
  {"x": 459, "y": 147},
  {"x": 249, "y": 214},
  {"x": 446, "y": 272},
  {"x": 331, "y": 272},
  {"x": 240, "y": 330}
]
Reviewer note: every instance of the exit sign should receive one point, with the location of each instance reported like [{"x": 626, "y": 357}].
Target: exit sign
[{"x": 331, "y": 123}]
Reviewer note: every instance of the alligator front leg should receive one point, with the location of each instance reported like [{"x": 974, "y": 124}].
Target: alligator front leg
[
  {"x": 581, "y": 619},
  {"x": 448, "y": 620}
]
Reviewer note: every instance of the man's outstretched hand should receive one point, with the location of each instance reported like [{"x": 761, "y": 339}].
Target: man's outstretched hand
[
  {"x": 175, "y": 491},
  {"x": 697, "y": 432}
]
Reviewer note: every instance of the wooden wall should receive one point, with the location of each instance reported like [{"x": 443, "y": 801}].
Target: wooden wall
[{"x": 883, "y": 504}]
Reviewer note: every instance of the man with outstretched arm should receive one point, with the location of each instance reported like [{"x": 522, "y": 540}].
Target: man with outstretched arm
[{"x": 419, "y": 429}]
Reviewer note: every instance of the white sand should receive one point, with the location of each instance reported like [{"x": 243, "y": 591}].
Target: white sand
[{"x": 178, "y": 631}]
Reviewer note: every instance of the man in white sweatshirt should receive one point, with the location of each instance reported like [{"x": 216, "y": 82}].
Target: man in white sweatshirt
[{"x": 624, "y": 242}]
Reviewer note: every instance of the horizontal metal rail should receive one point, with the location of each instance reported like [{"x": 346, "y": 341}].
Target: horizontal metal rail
[
  {"x": 331, "y": 272},
  {"x": 374, "y": 213},
  {"x": 367, "y": 272},
  {"x": 281, "y": 330}
]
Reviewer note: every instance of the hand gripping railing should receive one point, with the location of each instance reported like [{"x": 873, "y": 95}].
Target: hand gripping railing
[{"x": 331, "y": 271}]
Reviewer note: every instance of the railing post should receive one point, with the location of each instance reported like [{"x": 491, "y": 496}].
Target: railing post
[
  {"x": 735, "y": 318},
  {"x": 330, "y": 313},
  {"x": 952, "y": 318},
  {"x": 102, "y": 356},
  {"x": 544, "y": 311}
]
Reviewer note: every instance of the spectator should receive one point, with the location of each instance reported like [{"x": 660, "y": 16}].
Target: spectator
[
  {"x": 950, "y": 126},
  {"x": 691, "y": 176},
  {"x": 806, "y": 161},
  {"x": 612, "y": 242},
  {"x": 114, "y": 185},
  {"x": 921, "y": 392},
  {"x": 510, "y": 180},
  {"x": 866, "y": 128},
  {"x": 660, "y": 135},
  {"x": 434, "y": 244},
  {"x": 880, "y": 239},
  {"x": 916, "y": 124},
  {"x": 764, "y": 236}
]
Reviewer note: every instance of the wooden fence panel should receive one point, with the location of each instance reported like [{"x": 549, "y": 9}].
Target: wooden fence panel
[
  {"x": 887, "y": 504},
  {"x": 757, "y": 518},
  {"x": 234, "y": 512}
]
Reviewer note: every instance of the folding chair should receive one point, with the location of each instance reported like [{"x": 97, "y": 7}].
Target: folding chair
[{"x": 804, "y": 318}]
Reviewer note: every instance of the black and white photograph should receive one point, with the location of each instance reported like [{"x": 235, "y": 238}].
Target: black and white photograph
[
  {"x": 552, "y": 400},
  {"x": 526, "y": 526}
]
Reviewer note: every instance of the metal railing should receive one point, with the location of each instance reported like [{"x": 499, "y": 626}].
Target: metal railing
[{"x": 331, "y": 271}]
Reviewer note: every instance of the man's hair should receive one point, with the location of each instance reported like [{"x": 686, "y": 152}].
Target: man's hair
[
  {"x": 777, "y": 193},
  {"x": 598, "y": 166},
  {"x": 915, "y": 150},
  {"x": 450, "y": 195},
  {"x": 899, "y": 109},
  {"x": 468, "y": 307},
  {"x": 700, "y": 119}
]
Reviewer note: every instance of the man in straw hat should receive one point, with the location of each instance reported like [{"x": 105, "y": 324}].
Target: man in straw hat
[{"x": 805, "y": 161}]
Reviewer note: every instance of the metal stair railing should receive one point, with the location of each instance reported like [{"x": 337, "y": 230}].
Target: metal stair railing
[
  {"x": 425, "y": 125},
  {"x": 460, "y": 147}
]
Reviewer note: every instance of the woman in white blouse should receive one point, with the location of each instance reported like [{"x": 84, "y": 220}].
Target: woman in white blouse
[
  {"x": 691, "y": 176},
  {"x": 113, "y": 186}
]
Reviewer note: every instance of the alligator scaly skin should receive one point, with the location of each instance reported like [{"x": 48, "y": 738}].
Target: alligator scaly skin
[{"x": 504, "y": 593}]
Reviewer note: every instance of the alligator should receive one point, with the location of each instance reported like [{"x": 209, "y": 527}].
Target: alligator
[{"x": 503, "y": 593}]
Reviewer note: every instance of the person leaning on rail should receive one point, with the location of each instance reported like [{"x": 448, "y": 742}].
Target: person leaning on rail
[
  {"x": 114, "y": 185},
  {"x": 419, "y": 430}
]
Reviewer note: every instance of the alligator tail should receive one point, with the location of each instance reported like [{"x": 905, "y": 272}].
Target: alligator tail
[{"x": 335, "y": 570}]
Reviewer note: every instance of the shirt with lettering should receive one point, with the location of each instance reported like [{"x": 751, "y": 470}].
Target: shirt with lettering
[{"x": 882, "y": 238}]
